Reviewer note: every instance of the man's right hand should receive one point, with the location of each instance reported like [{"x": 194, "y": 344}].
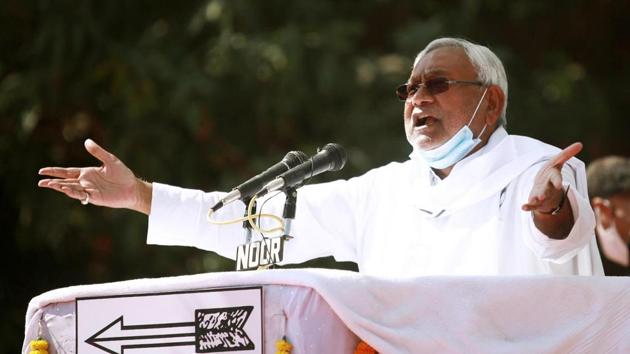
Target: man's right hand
[{"x": 113, "y": 184}]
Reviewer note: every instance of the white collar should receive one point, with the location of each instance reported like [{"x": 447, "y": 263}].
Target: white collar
[
  {"x": 479, "y": 175},
  {"x": 497, "y": 136}
]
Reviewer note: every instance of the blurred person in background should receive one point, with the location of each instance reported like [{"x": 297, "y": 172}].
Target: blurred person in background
[{"x": 609, "y": 190}]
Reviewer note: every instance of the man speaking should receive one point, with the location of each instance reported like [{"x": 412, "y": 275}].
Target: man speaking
[{"x": 471, "y": 199}]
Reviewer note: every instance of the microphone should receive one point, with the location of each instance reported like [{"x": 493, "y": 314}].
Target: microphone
[
  {"x": 331, "y": 157},
  {"x": 254, "y": 184}
]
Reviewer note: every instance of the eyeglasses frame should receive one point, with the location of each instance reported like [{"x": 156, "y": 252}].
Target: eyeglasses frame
[{"x": 423, "y": 85}]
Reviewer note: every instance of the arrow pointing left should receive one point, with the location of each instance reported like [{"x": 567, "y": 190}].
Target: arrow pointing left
[{"x": 116, "y": 336}]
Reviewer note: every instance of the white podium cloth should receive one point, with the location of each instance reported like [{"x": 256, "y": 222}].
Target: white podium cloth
[{"x": 528, "y": 314}]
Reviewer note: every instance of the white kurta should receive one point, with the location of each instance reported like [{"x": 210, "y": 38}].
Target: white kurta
[{"x": 397, "y": 221}]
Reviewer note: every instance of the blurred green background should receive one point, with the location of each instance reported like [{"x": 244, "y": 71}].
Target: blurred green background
[{"x": 205, "y": 94}]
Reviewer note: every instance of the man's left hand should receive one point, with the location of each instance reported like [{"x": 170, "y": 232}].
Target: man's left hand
[{"x": 547, "y": 191}]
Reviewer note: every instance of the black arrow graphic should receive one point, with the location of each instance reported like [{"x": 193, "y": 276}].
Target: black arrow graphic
[
  {"x": 116, "y": 336},
  {"x": 214, "y": 330}
]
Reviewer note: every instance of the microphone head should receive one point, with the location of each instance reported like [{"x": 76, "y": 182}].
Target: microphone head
[
  {"x": 294, "y": 158},
  {"x": 337, "y": 155}
]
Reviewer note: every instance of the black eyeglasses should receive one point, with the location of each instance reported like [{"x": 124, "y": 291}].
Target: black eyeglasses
[{"x": 433, "y": 87}]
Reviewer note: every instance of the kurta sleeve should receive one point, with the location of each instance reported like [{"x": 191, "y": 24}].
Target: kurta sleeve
[
  {"x": 178, "y": 218},
  {"x": 325, "y": 223}
]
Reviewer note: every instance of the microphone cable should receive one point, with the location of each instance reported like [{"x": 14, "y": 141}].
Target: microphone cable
[
  {"x": 262, "y": 235},
  {"x": 250, "y": 218},
  {"x": 254, "y": 219}
]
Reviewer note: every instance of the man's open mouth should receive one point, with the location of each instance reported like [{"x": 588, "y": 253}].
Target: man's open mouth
[{"x": 423, "y": 121}]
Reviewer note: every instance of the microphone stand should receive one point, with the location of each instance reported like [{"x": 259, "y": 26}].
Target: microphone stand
[
  {"x": 246, "y": 226},
  {"x": 288, "y": 213}
]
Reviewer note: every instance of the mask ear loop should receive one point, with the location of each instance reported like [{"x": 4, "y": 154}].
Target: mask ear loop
[
  {"x": 475, "y": 113},
  {"x": 482, "y": 130}
]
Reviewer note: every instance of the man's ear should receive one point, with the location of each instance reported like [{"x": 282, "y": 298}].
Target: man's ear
[
  {"x": 496, "y": 101},
  {"x": 603, "y": 211}
]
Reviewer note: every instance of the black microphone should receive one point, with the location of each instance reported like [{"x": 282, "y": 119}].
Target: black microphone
[
  {"x": 331, "y": 157},
  {"x": 254, "y": 184}
]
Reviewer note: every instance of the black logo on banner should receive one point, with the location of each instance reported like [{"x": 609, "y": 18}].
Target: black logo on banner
[{"x": 213, "y": 331}]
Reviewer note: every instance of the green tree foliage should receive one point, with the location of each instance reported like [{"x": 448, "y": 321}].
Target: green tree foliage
[{"x": 203, "y": 94}]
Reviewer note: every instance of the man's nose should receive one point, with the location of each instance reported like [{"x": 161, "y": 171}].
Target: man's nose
[{"x": 421, "y": 97}]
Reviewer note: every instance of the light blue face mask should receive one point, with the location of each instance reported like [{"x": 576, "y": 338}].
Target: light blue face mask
[{"x": 455, "y": 149}]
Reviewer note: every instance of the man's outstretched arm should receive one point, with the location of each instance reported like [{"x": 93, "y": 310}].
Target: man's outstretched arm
[{"x": 112, "y": 184}]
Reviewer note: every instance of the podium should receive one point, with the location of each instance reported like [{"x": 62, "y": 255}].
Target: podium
[{"x": 329, "y": 311}]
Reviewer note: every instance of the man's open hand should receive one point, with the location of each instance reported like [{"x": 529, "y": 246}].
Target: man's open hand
[{"x": 112, "y": 184}]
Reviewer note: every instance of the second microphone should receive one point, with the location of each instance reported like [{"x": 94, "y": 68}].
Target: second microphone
[{"x": 332, "y": 157}]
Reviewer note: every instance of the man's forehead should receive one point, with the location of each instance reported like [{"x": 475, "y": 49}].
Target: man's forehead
[{"x": 443, "y": 61}]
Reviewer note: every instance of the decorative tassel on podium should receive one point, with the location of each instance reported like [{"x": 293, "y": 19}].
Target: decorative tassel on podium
[
  {"x": 283, "y": 346},
  {"x": 39, "y": 346},
  {"x": 364, "y": 348}
]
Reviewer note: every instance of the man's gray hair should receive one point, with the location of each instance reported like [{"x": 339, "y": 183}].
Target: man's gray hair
[{"x": 489, "y": 68}]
